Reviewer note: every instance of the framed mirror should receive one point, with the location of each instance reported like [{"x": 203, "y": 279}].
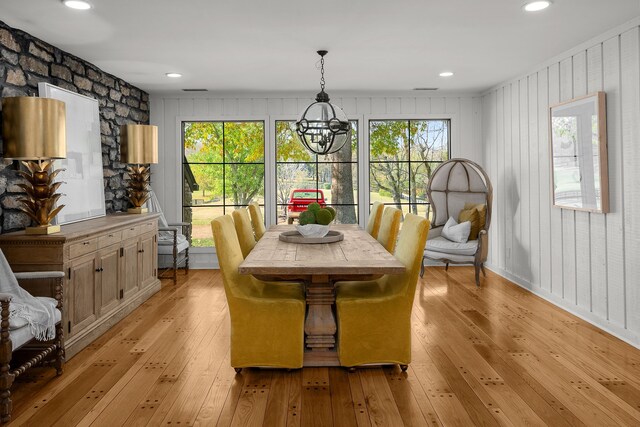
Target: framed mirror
[{"x": 579, "y": 154}]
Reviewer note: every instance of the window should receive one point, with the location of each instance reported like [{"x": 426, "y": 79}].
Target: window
[
  {"x": 403, "y": 155},
  {"x": 223, "y": 169},
  {"x": 333, "y": 177}
]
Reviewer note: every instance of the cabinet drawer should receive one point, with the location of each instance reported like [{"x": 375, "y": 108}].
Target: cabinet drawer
[
  {"x": 147, "y": 227},
  {"x": 83, "y": 247},
  {"x": 109, "y": 239},
  {"x": 131, "y": 231}
]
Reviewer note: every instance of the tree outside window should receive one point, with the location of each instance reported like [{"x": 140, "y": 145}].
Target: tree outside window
[
  {"x": 403, "y": 156},
  {"x": 336, "y": 175},
  {"x": 223, "y": 169}
]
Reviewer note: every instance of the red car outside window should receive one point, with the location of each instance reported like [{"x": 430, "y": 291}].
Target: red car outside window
[{"x": 300, "y": 199}]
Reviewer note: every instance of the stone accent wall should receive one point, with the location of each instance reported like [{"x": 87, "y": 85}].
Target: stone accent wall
[{"x": 24, "y": 62}]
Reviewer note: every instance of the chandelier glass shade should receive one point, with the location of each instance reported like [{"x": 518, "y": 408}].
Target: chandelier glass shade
[{"x": 323, "y": 128}]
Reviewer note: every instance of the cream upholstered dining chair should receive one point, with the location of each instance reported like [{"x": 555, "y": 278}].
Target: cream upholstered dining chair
[
  {"x": 267, "y": 319},
  {"x": 173, "y": 240},
  {"x": 457, "y": 185},
  {"x": 374, "y": 317},
  {"x": 242, "y": 223},
  {"x": 257, "y": 221},
  {"x": 389, "y": 228},
  {"x": 32, "y": 324},
  {"x": 375, "y": 216}
]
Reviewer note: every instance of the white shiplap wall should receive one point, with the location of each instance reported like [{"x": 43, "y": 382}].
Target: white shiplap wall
[
  {"x": 168, "y": 110},
  {"x": 584, "y": 262}
]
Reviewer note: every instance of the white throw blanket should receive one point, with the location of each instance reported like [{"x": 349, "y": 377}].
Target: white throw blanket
[{"x": 25, "y": 309}]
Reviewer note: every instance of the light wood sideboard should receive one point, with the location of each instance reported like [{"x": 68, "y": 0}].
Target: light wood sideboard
[{"x": 110, "y": 267}]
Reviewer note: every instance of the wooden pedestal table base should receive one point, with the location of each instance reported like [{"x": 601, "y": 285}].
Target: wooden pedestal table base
[{"x": 320, "y": 325}]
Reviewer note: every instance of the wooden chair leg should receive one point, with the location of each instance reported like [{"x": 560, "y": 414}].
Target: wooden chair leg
[
  {"x": 59, "y": 362},
  {"x": 6, "y": 378},
  {"x": 175, "y": 266},
  {"x": 477, "y": 268},
  {"x": 59, "y": 356},
  {"x": 446, "y": 266},
  {"x": 404, "y": 368},
  {"x": 186, "y": 261},
  {"x": 484, "y": 273},
  {"x": 422, "y": 268},
  {"x": 238, "y": 370}
]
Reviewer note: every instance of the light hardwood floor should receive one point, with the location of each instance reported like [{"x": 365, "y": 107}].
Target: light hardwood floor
[{"x": 496, "y": 355}]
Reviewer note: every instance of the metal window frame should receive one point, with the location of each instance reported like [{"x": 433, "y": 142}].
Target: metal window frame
[
  {"x": 451, "y": 118},
  {"x": 180, "y": 120},
  {"x": 316, "y": 163}
]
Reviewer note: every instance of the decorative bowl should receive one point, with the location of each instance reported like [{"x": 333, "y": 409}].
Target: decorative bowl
[{"x": 313, "y": 230}]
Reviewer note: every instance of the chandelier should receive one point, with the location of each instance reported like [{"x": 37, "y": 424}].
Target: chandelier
[{"x": 323, "y": 128}]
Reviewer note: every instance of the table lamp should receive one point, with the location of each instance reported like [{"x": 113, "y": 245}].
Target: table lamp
[
  {"x": 34, "y": 131},
  {"x": 139, "y": 147}
]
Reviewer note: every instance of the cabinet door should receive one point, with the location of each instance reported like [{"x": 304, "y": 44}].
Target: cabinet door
[
  {"x": 83, "y": 293},
  {"x": 130, "y": 268},
  {"x": 109, "y": 262},
  {"x": 148, "y": 259}
]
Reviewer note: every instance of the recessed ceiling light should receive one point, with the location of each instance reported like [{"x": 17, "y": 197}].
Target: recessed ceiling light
[
  {"x": 535, "y": 6},
  {"x": 173, "y": 75},
  {"x": 77, "y": 4},
  {"x": 446, "y": 74}
]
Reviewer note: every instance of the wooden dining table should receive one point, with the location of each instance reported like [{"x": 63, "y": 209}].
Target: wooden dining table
[{"x": 319, "y": 266}]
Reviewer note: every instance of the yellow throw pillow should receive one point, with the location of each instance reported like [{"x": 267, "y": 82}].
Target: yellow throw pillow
[
  {"x": 473, "y": 216},
  {"x": 482, "y": 211}
]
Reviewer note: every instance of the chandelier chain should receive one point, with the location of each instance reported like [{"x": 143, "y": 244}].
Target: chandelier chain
[{"x": 322, "y": 73}]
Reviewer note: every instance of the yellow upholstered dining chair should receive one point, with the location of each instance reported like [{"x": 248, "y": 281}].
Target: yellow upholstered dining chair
[
  {"x": 389, "y": 228},
  {"x": 375, "y": 216},
  {"x": 267, "y": 320},
  {"x": 242, "y": 223},
  {"x": 257, "y": 221},
  {"x": 374, "y": 317}
]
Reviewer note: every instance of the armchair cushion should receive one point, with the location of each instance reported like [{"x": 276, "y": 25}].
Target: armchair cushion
[
  {"x": 482, "y": 212},
  {"x": 473, "y": 216},
  {"x": 456, "y": 232},
  {"x": 444, "y": 246},
  {"x": 165, "y": 247},
  {"x": 180, "y": 238}
]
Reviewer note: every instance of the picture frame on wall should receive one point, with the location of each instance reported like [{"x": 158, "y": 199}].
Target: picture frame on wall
[
  {"x": 579, "y": 165},
  {"x": 82, "y": 176}
]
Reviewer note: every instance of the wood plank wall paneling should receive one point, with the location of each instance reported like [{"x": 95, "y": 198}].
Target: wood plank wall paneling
[
  {"x": 166, "y": 109},
  {"x": 585, "y": 263}
]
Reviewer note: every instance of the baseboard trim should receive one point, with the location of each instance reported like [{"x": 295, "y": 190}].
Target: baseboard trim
[{"x": 621, "y": 333}]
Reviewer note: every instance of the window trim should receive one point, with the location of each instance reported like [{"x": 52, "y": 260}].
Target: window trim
[{"x": 179, "y": 150}]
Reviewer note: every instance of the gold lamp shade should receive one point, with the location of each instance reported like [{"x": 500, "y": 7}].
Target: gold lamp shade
[
  {"x": 139, "y": 147},
  {"x": 138, "y": 144},
  {"x": 34, "y": 128},
  {"x": 34, "y": 131}
]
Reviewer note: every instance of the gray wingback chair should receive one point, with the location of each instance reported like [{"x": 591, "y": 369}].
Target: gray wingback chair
[{"x": 453, "y": 184}]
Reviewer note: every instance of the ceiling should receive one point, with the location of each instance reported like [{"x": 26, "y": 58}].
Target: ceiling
[{"x": 374, "y": 45}]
